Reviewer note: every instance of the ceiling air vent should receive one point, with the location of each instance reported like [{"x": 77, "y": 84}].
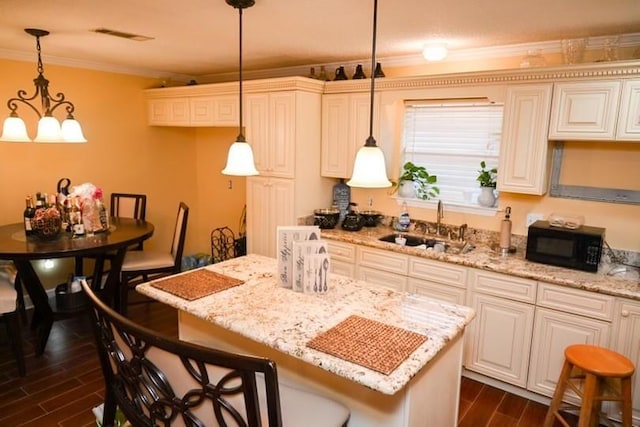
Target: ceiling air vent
[{"x": 122, "y": 34}]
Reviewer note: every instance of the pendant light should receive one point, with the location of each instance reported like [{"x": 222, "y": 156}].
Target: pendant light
[
  {"x": 49, "y": 129},
  {"x": 240, "y": 158},
  {"x": 369, "y": 169}
]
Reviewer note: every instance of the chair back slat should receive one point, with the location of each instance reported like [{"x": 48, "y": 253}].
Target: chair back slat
[
  {"x": 158, "y": 380},
  {"x": 128, "y": 205},
  {"x": 179, "y": 235}
]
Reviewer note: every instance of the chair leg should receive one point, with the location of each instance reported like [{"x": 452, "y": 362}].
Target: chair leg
[
  {"x": 13, "y": 330},
  {"x": 558, "y": 394},
  {"x": 588, "y": 400},
  {"x": 625, "y": 391},
  {"x": 109, "y": 409},
  {"x": 124, "y": 294}
]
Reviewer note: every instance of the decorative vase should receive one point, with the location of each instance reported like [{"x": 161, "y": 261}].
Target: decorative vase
[
  {"x": 407, "y": 190},
  {"x": 487, "y": 197}
]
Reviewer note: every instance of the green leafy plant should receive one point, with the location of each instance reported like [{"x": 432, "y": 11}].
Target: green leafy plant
[
  {"x": 487, "y": 177},
  {"x": 423, "y": 181}
]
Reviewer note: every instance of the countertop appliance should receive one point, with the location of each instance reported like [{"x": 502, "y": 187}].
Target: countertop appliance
[{"x": 578, "y": 248}]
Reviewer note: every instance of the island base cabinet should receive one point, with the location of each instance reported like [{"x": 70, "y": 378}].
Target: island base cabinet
[
  {"x": 499, "y": 339},
  {"x": 628, "y": 343},
  {"x": 553, "y": 332},
  {"x": 430, "y": 399}
]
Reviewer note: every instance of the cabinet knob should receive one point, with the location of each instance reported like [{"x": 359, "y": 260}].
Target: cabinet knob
[{"x": 625, "y": 313}]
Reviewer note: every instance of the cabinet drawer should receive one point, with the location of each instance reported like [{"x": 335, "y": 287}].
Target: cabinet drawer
[
  {"x": 343, "y": 268},
  {"x": 382, "y": 278},
  {"x": 438, "y": 272},
  {"x": 575, "y": 301},
  {"x": 383, "y": 260},
  {"x": 504, "y": 286},
  {"x": 342, "y": 251},
  {"x": 436, "y": 290}
]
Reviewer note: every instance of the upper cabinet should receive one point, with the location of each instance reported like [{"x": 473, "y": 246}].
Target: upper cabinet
[
  {"x": 194, "y": 111},
  {"x": 524, "y": 147},
  {"x": 169, "y": 112},
  {"x": 345, "y": 128},
  {"x": 629, "y": 117},
  {"x": 585, "y": 110}
]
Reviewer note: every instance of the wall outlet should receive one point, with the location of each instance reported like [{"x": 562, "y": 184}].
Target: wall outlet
[{"x": 533, "y": 217}]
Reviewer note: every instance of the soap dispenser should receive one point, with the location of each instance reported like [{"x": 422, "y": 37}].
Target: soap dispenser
[
  {"x": 505, "y": 232},
  {"x": 404, "y": 220}
]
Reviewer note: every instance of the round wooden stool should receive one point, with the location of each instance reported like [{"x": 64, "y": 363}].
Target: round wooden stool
[{"x": 595, "y": 368}]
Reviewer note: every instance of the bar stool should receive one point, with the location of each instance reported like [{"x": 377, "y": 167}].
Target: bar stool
[{"x": 595, "y": 368}]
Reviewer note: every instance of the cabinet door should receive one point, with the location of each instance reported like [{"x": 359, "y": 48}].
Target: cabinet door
[
  {"x": 343, "y": 268},
  {"x": 201, "y": 111},
  {"x": 524, "y": 154},
  {"x": 282, "y": 134},
  {"x": 628, "y": 128},
  {"x": 627, "y": 342},
  {"x": 499, "y": 339},
  {"x": 169, "y": 112},
  {"x": 585, "y": 110},
  {"x": 257, "y": 129},
  {"x": 553, "y": 332},
  {"x": 335, "y": 136},
  {"x": 269, "y": 204}
]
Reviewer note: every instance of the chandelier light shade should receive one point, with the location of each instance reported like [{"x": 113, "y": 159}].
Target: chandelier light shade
[
  {"x": 240, "y": 158},
  {"x": 369, "y": 169},
  {"x": 49, "y": 128}
]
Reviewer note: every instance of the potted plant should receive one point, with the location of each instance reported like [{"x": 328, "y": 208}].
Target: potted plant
[
  {"x": 487, "y": 180},
  {"x": 415, "y": 181}
]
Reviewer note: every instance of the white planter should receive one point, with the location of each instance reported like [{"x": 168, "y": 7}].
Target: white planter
[
  {"x": 487, "y": 197},
  {"x": 407, "y": 190}
]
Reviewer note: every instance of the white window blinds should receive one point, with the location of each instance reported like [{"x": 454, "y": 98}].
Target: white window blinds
[{"x": 450, "y": 140}]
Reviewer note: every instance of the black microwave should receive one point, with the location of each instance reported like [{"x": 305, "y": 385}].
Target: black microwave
[{"x": 579, "y": 248}]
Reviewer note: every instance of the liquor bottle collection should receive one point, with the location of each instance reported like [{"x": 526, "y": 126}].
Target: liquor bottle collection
[{"x": 49, "y": 215}]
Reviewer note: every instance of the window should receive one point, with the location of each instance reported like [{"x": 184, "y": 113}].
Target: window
[{"x": 450, "y": 139}]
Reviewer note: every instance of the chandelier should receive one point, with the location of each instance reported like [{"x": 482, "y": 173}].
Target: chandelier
[
  {"x": 49, "y": 128},
  {"x": 240, "y": 157}
]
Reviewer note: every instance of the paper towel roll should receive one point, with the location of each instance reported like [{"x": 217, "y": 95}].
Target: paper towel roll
[{"x": 505, "y": 234}]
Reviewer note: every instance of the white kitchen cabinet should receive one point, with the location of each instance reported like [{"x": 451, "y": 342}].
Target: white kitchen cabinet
[
  {"x": 380, "y": 267},
  {"x": 270, "y": 203},
  {"x": 271, "y": 130},
  {"x": 524, "y": 153},
  {"x": 499, "y": 339},
  {"x": 383, "y": 278},
  {"x": 214, "y": 111},
  {"x": 585, "y": 110},
  {"x": 628, "y": 128},
  {"x": 627, "y": 342},
  {"x": 169, "y": 112},
  {"x": 439, "y": 280},
  {"x": 565, "y": 316},
  {"x": 345, "y": 128},
  {"x": 343, "y": 258}
]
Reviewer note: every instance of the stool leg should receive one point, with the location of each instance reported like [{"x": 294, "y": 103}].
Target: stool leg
[
  {"x": 558, "y": 394},
  {"x": 589, "y": 394},
  {"x": 625, "y": 386}
]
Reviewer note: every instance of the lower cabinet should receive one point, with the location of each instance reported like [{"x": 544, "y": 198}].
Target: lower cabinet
[
  {"x": 380, "y": 267},
  {"x": 627, "y": 342},
  {"x": 439, "y": 280},
  {"x": 499, "y": 339},
  {"x": 343, "y": 258}
]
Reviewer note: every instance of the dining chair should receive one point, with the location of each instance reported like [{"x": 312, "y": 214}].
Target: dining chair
[
  {"x": 9, "y": 314},
  {"x": 141, "y": 266},
  {"x": 223, "y": 244},
  {"x": 159, "y": 380},
  {"x": 129, "y": 205}
]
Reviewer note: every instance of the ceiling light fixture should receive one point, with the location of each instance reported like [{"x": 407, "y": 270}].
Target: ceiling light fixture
[
  {"x": 436, "y": 51},
  {"x": 369, "y": 169},
  {"x": 49, "y": 129},
  {"x": 240, "y": 158}
]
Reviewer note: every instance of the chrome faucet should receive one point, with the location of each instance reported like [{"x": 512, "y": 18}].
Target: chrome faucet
[
  {"x": 440, "y": 217},
  {"x": 461, "y": 232}
]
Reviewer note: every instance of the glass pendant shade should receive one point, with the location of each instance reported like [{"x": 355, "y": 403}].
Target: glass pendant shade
[
  {"x": 14, "y": 130},
  {"x": 48, "y": 130},
  {"x": 369, "y": 169},
  {"x": 240, "y": 160},
  {"x": 72, "y": 131}
]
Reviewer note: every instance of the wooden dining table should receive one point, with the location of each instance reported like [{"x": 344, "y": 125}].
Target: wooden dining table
[{"x": 112, "y": 245}]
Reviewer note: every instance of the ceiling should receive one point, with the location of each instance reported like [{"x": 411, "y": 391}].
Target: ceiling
[{"x": 198, "y": 38}]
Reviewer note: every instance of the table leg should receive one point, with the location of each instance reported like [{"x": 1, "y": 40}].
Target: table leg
[
  {"x": 42, "y": 314},
  {"x": 111, "y": 294}
]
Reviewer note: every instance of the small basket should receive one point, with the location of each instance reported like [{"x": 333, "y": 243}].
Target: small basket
[
  {"x": 47, "y": 228},
  {"x": 67, "y": 300}
]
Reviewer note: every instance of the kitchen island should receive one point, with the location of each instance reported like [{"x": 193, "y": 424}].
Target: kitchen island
[{"x": 259, "y": 317}]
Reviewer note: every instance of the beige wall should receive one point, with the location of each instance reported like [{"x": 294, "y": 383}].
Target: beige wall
[{"x": 123, "y": 154}]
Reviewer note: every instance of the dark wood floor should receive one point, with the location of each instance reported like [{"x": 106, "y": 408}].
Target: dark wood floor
[{"x": 64, "y": 383}]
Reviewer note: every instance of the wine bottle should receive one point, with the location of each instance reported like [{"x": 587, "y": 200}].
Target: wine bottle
[
  {"x": 29, "y": 213},
  {"x": 75, "y": 218}
]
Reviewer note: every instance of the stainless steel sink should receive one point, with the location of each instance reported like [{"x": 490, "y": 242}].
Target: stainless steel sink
[{"x": 447, "y": 246}]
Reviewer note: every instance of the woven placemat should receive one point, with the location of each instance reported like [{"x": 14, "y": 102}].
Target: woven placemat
[
  {"x": 368, "y": 343},
  {"x": 197, "y": 284}
]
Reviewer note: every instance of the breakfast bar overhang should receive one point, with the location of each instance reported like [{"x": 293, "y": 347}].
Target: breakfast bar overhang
[{"x": 259, "y": 317}]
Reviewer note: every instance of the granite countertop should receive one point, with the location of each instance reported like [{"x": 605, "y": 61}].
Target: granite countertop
[
  {"x": 285, "y": 320},
  {"x": 485, "y": 258}
]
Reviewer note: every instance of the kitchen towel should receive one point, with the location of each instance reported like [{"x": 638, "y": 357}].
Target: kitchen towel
[
  {"x": 368, "y": 343},
  {"x": 196, "y": 284}
]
